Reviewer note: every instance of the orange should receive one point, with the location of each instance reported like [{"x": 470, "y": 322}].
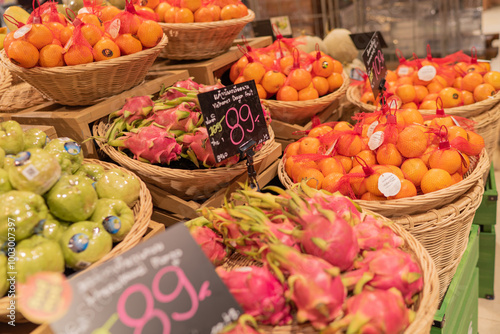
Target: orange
[
  {"x": 299, "y": 166},
  {"x": 56, "y": 28},
  {"x": 287, "y": 93},
  {"x": 464, "y": 167},
  {"x": 477, "y": 141},
  {"x": 431, "y": 97},
  {"x": 388, "y": 154},
  {"x": 404, "y": 81},
  {"x": 292, "y": 149},
  {"x": 486, "y": 66},
  {"x": 345, "y": 161},
  {"x": 319, "y": 130},
  {"x": 368, "y": 157},
  {"x": 192, "y": 5},
  {"x": 92, "y": 19},
  {"x": 321, "y": 85},
  {"x": 471, "y": 80},
  {"x": 427, "y": 154},
  {"x": 330, "y": 181},
  {"x": 39, "y": 36},
  {"x": 236, "y": 68},
  {"x": 391, "y": 87},
  {"x": 421, "y": 92},
  {"x": 391, "y": 76},
  {"x": 460, "y": 69},
  {"x": 299, "y": 79},
  {"x": 492, "y": 78},
  {"x": 409, "y": 105},
  {"x": 434, "y": 87},
  {"x": 240, "y": 79},
  {"x": 243, "y": 10},
  {"x": 91, "y": 33},
  {"x": 272, "y": 81},
  {"x": 254, "y": 71},
  {"x": 349, "y": 145},
  {"x": 161, "y": 9},
  {"x": 23, "y": 54},
  {"x": 265, "y": 60},
  {"x": 308, "y": 93},
  {"x": 286, "y": 64},
  {"x": 261, "y": 91},
  {"x": 169, "y": 16},
  {"x": 455, "y": 178},
  {"x": 51, "y": 55},
  {"x": 483, "y": 92},
  {"x": 475, "y": 68},
  {"x": 456, "y": 131},
  {"x": 368, "y": 196},
  {"x": 330, "y": 165},
  {"x": 406, "y": 93},
  {"x": 396, "y": 171},
  {"x": 440, "y": 121},
  {"x": 411, "y": 116},
  {"x": 203, "y": 14},
  {"x": 414, "y": 170},
  {"x": 289, "y": 162},
  {"x": 412, "y": 142},
  {"x": 458, "y": 83},
  {"x": 128, "y": 44},
  {"x": 66, "y": 33},
  {"x": 9, "y": 39},
  {"x": 323, "y": 66},
  {"x": 150, "y": 33},
  {"x": 215, "y": 10},
  {"x": 230, "y": 12},
  {"x": 448, "y": 160},
  {"x": 428, "y": 105},
  {"x": 337, "y": 66},
  {"x": 371, "y": 181},
  {"x": 183, "y": 15},
  {"x": 417, "y": 81},
  {"x": 78, "y": 54},
  {"x": 435, "y": 179},
  {"x": 451, "y": 97},
  {"x": 109, "y": 12},
  {"x": 105, "y": 49},
  {"x": 408, "y": 189},
  {"x": 358, "y": 184},
  {"x": 368, "y": 98},
  {"x": 309, "y": 145},
  {"x": 467, "y": 97},
  {"x": 440, "y": 80}
]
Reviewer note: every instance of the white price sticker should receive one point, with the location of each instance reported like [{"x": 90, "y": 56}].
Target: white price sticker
[
  {"x": 22, "y": 31},
  {"x": 330, "y": 150},
  {"x": 376, "y": 140},
  {"x": 427, "y": 73},
  {"x": 114, "y": 28},
  {"x": 30, "y": 172},
  {"x": 455, "y": 121},
  {"x": 389, "y": 184},
  {"x": 403, "y": 70},
  {"x": 84, "y": 10},
  {"x": 371, "y": 128}
]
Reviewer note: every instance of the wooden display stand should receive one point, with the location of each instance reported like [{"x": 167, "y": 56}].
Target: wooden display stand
[
  {"x": 76, "y": 122},
  {"x": 208, "y": 71},
  {"x": 49, "y": 130},
  {"x": 170, "y": 209}
]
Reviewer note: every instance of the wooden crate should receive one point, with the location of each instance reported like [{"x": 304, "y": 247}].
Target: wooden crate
[
  {"x": 287, "y": 133},
  {"x": 208, "y": 71},
  {"x": 49, "y": 130},
  {"x": 173, "y": 209},
  {"x": 76, "y": 122}
]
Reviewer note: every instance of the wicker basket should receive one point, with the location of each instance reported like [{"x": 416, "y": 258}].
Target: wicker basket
[
  {"x": 488, "y": 126},
  {"x": 20, "y": 96},
  {"x": 143, "y": 209},
  {"x": 88, "y": 83},
  {"x": 186, "y": 184},
  {"x": 354, "y": 96},
  {"x": 425, "y": 307},
  {"x": 5, "y": 80},
  {"x": 420, "y": 203},
  {"x": 445, "y": 232},
  {"x": 300, "y": 112},
  {"x": 196, "y": 41}
]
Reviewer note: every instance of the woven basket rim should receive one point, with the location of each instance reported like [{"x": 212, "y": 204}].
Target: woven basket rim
[
  {"x": 84, "y": 68},
  {"x": 5, "y": 79},
  {"x": 209, "y": 25}
]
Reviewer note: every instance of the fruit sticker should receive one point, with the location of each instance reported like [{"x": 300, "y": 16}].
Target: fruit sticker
[
  {"x": 72, "y": 148},
  {"x": 78, "y": 243},
  {"x": 371, "y": 128},
  {"x": 376, "y": 140},
  {"x": 39, "y": 227},
  {"x": 22, "y": 31},
  {"x": 21, "y": 158},
  {"x": 389, "y": 184},
  {"x": 112, "y": 224},
  {"x": 30, "y": 172},
  {"x": 114, "y": 28},
  {"x": 427, "y": 73}
]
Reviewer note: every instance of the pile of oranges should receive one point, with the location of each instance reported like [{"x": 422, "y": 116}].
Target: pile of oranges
[
  {"x": 50, "y": 44},
  {"x": 456, "y": 84},
  {"x": 189, "y": 11},
  {"x": 336, "y": 156},
  {"x": 288, "y": 74}
]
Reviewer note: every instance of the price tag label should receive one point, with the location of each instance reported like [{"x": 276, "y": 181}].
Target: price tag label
[
  {"x": 371, "y": 128},
  {"x": 233, "y": 116},
  {"x": 163, "y": 285},
  {"x": 374, "y": 63},
  {"x": 376, "y": 140},
  {"x": 427, "y": 73},
  {"x": 389, "y": 184}
]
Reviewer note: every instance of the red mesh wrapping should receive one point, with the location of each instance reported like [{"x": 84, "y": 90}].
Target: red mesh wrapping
[
  {"x": 91, "y": 7},
  {"x": 36, "y": 14},
  {"x": 348, "y": 143},
  {"x": 127, "y": 18},
  {"x": 77, "y": 38},
  {"x": 462, "y": 121}
]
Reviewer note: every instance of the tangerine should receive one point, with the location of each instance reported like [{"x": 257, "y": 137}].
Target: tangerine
[
  {"x": 471, "y": 80},
  {"x": 109, "y": 12},
  {"x": 128, "y": 44},
  {"x": 457, "y": 83},
  {"x": 368, "y": 156},
  {"x": 323, "y": 66},
  {"x": 272, "y": 81},
  {"x": 457, "y": 177},
  {"x": 236, "y": 68},
  {"x": 287, "y": 93},
  {"x": 319, "y": 130},
  {"x": 330, "y": 165},
  {"x": 451, "y": 97},
  {"x": 308, "y": 93},
  {"x": 335, "y": 81},
  {"x": 230, "y": 12},
  {"x": 421, "y": 92},
  {"x": 169, "y": 16},
  {"x": 408, "y": 189},
  {"x": 448, "y": 160},
  {"x": 368, "y": 98},
  {"x": 477, "y": 142},
  {"x": 183, "y": 15},
  {"x": 93, "y": 19},
  {"x": 396, "y": 171},
  {"x": 78, "y": 54},
  {"x": 105, "y": 49},
  {"x": 261, "y": 91},
  {"x": 467, "y": 97},
  {"x": 23, "y": 53},
  {"x": 413, "y": 170},
  {"x": 406, "y": 93},
  {"x": 391, "y": 76},
  {"x": 349, "y": 145},
  {"x": 300, "y": 165},
  {"x": 91, "y": 33},
  {"x": 254, "y": 71},
  {"x": 192, "y": 5},
  {"x": 368, "y": 196},
  {"x": 388, "y": 154},
  {"x": 299, "y": 79},
  {"x": 330, "y": 182},
  {"x": 409, "y": 105},
  {"x": 66, "y": 33},
  {"x": 456, "y": 131},
  {"x": 215, "y": 10},
  {"x": 286, "y": 64},
  {"x": 492, "y": 78},
  {"x": 464, "y": 167},
  {"x": 412, "y": 142},
  {"x": 358, "y": 184},
  {"x": 411, "y": 116},
  {"x": 435, "y": 179},
  {"x": 39, "y": 36},
  {"x": 345, "y": 161},
  {"x": 313, "y": 176},
  {"x": 404, "y": 81},
  {"x": 309, "y": 145},
  {"x": 56, "y": 28},
  {"x": 417, "y": 81},
  {"x": 483, "y": 92},
  {"x": 149, "y": 33},
  {"x": 434, "y": 87},
  {"x": 427, "y": 105},
  {"x": 321, "y": 85},
  {"x": 371, "y": 181},
  {"x": 51, "y": 55},
  {"x": 337, "y": 66},
  {"x": 292, "y": 149}
]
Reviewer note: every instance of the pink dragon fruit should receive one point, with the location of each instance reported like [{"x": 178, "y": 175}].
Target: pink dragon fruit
[
  {"x": 200, "y": 151},
  {"x": 377, "y": 311},
  {"x": 246, "y": 324},
  {"x": 180, "y": 118},
  {"x": 384, "y": 269},
  {"x": 259, "y": 293},
  {"x": 315, "y": 287},
  {"x": 210, "y": 244},
  {"x": 373, "y": 234},
  {"x": 150, "y": 144},
  {"x": 187, "y": 84},
  {"x": 135, "y": 108},
  {"x": 209, "y": 88}
]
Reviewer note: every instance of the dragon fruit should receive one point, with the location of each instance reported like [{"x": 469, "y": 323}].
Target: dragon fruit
[
  {"x": 135, "y": 108},
  {"x": 150, "y": 144},
  {"x": 384, "y": 269},
  {"x": 210, "y": 244},
  {"x": 246, "y": 324},
  {"x": 377, "y": 311},
  {"x": 180, "y": 118},
  {"x": 200, "y": 151},
  {"x": 315, "y": 285},
  {"x": 259, "y": 293},
  {"x": 373, "y": 234},
  {"x": 187, "y": 84},
  {"x": 209, "y": 88}
]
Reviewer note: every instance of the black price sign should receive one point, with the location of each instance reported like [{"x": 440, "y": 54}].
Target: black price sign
[
  {"x": 375, "y": 63},
  {"x": 164, "y": 285},
  {"x": 233, "y": 116}
]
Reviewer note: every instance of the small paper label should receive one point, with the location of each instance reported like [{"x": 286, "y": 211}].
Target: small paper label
[
  {"x": 389, "y": 184},
  {"x": 22, "y": 31},
  {"x": 371, "y": 128},
  {"x": 69, "y": 43},
  {"x": 84, "y": 10},
  {"x": 455, "y": 121},
  {"x": 30, "y": 172},
  {"x": 403, "y": 70},
  {"x": 114, "y": 28},
  {"x": 330, "y": 150},
  {"x": 376, "y": 140},
  {"x": 427, "y": 73}
]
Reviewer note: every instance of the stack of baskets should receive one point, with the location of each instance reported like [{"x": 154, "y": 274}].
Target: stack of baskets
[{"x": 15, "y": 94}]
